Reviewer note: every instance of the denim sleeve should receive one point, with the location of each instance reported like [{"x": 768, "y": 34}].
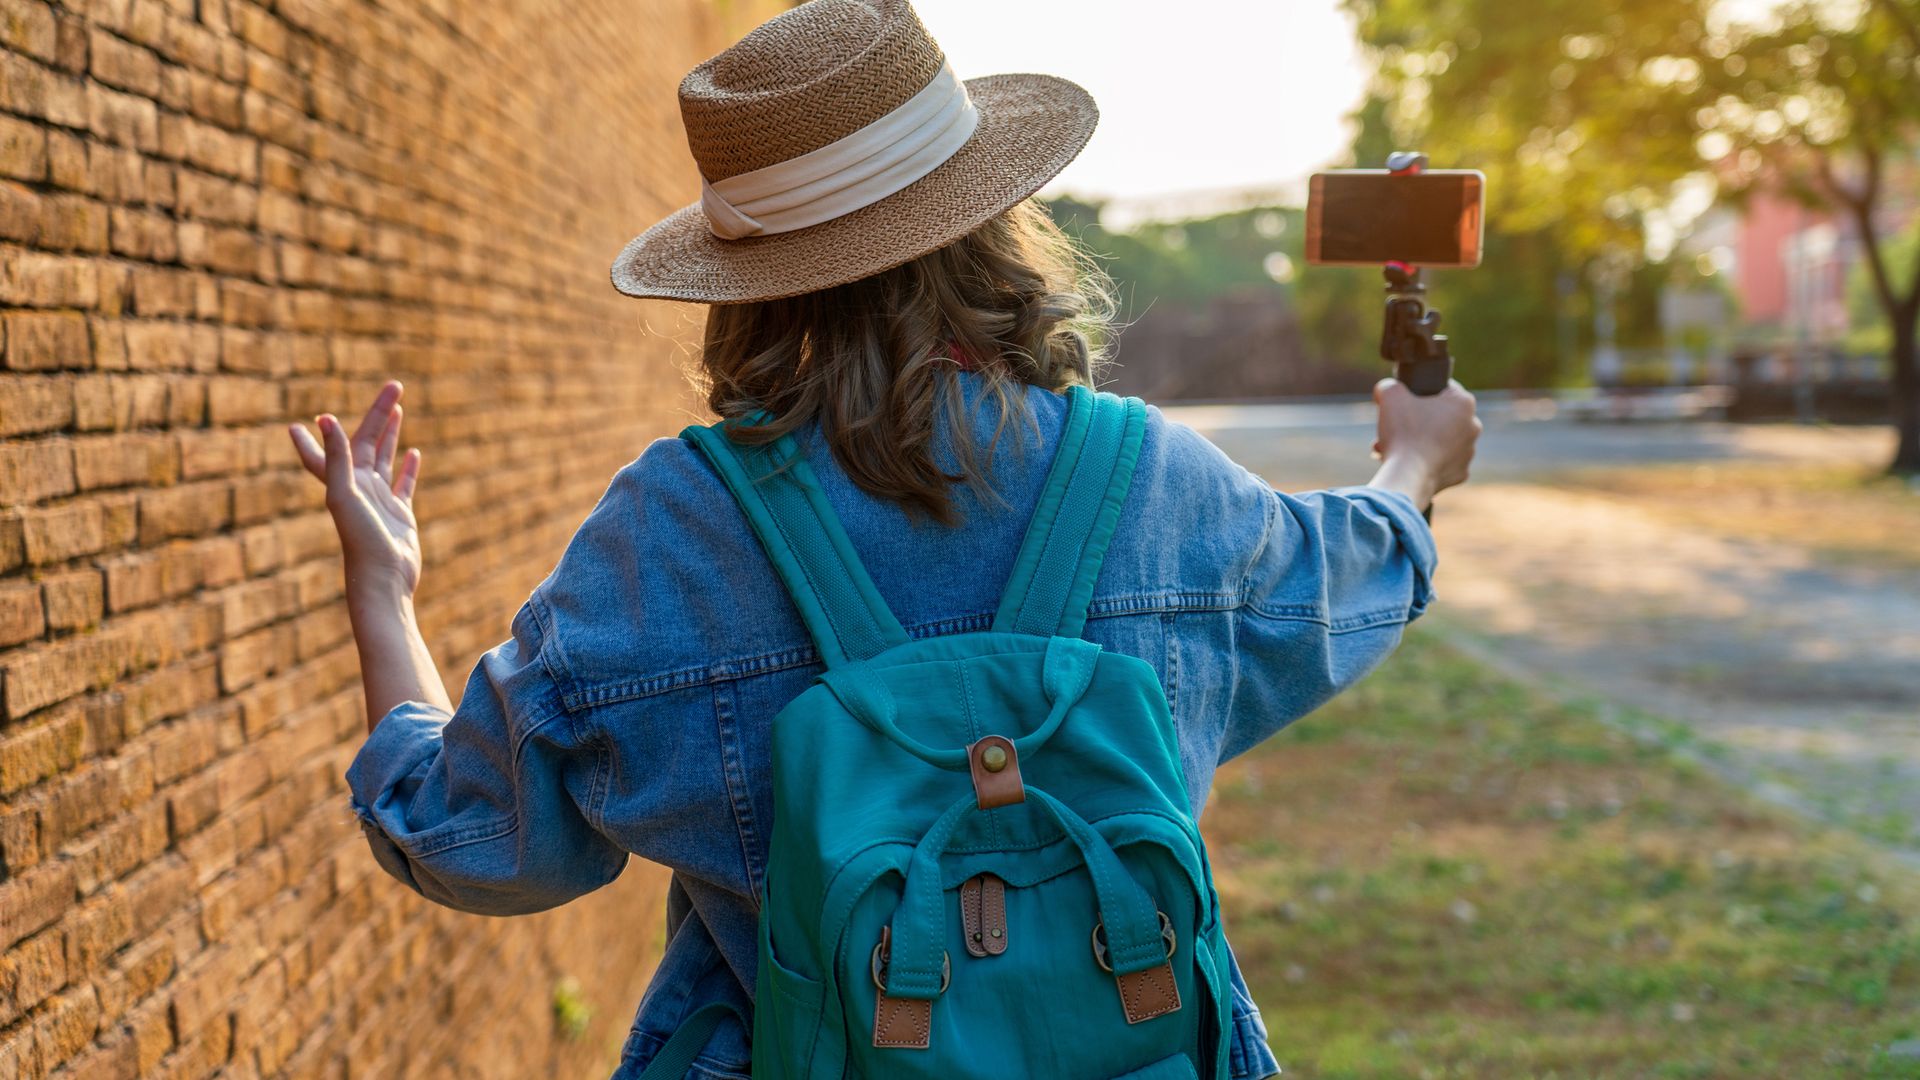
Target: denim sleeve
[
  {"x": 1339, "y": 575},
  {"x": 487, "y": 809}
]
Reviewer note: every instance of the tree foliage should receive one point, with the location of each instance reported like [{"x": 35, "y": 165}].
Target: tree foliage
[{"x": 1586, "y": 116}]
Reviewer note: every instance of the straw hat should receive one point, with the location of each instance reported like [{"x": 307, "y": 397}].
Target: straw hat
[{"x": 834, "y": 142}]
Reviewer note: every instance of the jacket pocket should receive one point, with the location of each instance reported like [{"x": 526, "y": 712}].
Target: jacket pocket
[
  {"x": 786, "y": 1017},
  {"x": 1177, "y": 1067}
]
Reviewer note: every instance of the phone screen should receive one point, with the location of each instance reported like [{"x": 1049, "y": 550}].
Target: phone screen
[{"x": 1371, "y": 216}]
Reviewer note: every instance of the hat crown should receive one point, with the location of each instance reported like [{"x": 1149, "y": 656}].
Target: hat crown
[{"x": 802, "y": 80}]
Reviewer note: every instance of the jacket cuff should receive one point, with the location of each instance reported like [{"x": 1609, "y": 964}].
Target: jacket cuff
[
  {"x": 1411, "y": 529},
  {"x": 384, "y": 773}
]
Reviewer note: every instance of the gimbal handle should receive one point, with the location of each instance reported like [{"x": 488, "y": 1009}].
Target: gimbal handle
[{"x": 1409, "y": 332}]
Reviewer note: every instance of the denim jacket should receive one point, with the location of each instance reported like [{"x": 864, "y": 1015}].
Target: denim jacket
[{"x": 629, "y": 713}]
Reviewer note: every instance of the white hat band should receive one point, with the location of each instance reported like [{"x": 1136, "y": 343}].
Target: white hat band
[{"x": 846, "y": 174}]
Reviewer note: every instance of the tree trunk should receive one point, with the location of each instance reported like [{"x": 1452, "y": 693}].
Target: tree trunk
[{"x": 1906, "y": 391}]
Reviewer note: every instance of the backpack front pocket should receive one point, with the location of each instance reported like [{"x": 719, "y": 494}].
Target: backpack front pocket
[{"x": 786, "y": 1017}]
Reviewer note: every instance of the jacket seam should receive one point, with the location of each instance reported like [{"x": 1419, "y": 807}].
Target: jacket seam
[
  {"x": 1266, "y": 537},
  {"x": 739, "y": 799},
  {"x": 610, "y": 693}
]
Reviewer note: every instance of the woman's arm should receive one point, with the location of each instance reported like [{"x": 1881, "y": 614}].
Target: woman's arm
[
  {"x": 372, "y": 508},
  {"x": 488, "y": 808}
]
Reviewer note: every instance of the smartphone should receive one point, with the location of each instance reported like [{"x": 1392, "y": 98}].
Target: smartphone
[{"x": 1361, "y": 217}]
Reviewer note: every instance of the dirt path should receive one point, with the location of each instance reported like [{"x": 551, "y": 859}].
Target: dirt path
[
  {"x": 1807, "y": 674},
  {"x": 1794, "y": 674}
]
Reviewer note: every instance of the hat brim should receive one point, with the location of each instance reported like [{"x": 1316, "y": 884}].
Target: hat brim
[{"x": 1030, "y": 127}]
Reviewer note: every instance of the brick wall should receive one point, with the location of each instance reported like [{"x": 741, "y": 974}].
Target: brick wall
[{"x": 216, "y": 216}]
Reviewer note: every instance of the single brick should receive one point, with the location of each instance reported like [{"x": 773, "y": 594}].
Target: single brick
[
  {"x": 66, "y": 1025},
  {"x": 30, "y": 973},
  {"x": 73, "y": 223},
  {"x": 243, "y": 401},
  {"x": 35, "y": 470},
  {"x": 109, "y": 338},
  {"x": 70, "y": 44},
  {"x": 124, "y": 65},
  {"x": 115, "y": 849},
  {"x": 219, "y": 151},
  {"x": 119, "y": 402},
  {"x": 29, "y": 26},
  {"x": 32, "y": 404},
  {"x": 41, "y": 279},
  {"x": 22, "y": 616},
  {"x": 216, "y": 199},
  {"x": 142, "y": 578},
  {"x": 159, "y": 346},
  {"x": 220, "y": 559},
  {"x": 67, "y": 162},
  {"x": 23, "y": 149},
  {"x": 97, "y": 928},
  {"x": 226, "y": 250},
  {"x": 20, "y": 210},
  {"x": 120, "y": 460},
  {"x": 92, "y": 794},
  {"x": 187, "y": 510},
  {"x": 158, "y": 291},
  {"x": 74, "y": 600},
  {"x": 33, "y": 900},
  {"x": 139, "y": 234},
  {"x": 213, "y": 100},
  {"x": 45, "y": 340},
  {"x": 116, "y": 280},
  {"x": 124, "y": 119},
  {"x": 54, "y": 534},
  {"x": 41, "y": 749}
]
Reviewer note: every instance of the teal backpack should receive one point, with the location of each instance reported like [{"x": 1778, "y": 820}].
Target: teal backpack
[{"x": 983, "y": 859}]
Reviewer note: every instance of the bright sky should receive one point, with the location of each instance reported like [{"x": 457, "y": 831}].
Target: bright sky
[{"x": 1197, "y": 97}]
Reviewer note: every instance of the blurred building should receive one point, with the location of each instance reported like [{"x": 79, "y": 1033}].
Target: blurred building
[{"x": 1802, "y": 306}]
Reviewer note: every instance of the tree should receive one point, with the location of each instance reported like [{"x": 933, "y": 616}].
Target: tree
[{"x": 1586, "y": 117}]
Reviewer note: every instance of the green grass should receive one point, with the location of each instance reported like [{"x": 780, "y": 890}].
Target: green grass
[{"x": 1443, "y": 875}]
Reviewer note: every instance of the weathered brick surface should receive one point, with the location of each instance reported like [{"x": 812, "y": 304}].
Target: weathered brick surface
[{"x": 217, "y": 216}]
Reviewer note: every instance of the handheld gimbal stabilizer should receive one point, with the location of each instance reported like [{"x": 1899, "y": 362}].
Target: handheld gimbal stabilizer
[
  {"x": 1409, "y": 338},
  {"x": 1400, "y": 215}
]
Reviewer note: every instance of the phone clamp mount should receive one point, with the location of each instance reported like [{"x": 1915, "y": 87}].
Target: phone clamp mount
[{"x": 1409, "y": 337}]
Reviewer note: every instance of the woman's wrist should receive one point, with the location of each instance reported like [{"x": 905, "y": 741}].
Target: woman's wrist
[
  {"x": 377, "y": 586},
  {"x": 1410, "y": 476}
]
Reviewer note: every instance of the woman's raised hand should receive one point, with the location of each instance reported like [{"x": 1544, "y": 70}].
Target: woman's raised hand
[{"x": 371, "y": 501}]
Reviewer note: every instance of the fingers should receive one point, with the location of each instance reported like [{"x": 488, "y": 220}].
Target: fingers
[
  {"x": 311, "y": 455},
  {"x": 389, "y": 442},
  {"x": 366, "y": 437},
  {"x": 1389, "y": 388},
  {"x": 339, "y": 456},
  {"x": 409, "y": 475}
]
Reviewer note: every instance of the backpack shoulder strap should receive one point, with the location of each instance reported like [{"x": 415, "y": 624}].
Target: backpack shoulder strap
[
  {"x": 1053, "y": 577},
  {"x": 809, "y": 549}
]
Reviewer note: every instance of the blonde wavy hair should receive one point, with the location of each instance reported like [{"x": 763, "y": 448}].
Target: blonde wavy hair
[{"x": 1016, "y": 301}]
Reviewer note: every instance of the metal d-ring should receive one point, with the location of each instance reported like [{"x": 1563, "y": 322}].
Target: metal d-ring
[
  {"x": 880, "y": 958},
  {"x": 1100, "y": 940}
]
